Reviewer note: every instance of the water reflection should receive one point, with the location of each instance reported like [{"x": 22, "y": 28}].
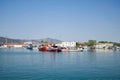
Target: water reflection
[
  {"x": 22, "y": 63},
  {"x": 105, "y": 50},
  {"x": 14, "y": 50}
]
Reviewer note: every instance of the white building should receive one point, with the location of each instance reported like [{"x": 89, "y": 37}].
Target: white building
[
  {"x": 67, "y": 44},
  {"x": 104, "y": 45},
  {"x": 18, "y": 45},
  {"x": 26, "y": 43}
]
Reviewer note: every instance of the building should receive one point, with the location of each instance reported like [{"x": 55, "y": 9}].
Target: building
[
  {"x": 67, "y": 44},
  {"x": 104, "y": 45}
]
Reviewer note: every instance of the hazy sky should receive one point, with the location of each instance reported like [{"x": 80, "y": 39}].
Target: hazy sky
[{"x": 68, "y": 20}]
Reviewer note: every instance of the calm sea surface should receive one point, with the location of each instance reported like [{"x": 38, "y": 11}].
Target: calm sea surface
[{"x": 22, "y": 64}]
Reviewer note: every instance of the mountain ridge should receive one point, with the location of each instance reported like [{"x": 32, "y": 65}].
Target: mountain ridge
[{"x": 10, "y": 40}]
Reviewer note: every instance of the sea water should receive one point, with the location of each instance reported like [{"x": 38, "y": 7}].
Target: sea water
[{"x": 22, "y": 64}]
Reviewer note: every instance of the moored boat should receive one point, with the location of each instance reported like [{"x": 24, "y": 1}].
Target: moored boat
[
  {"x": 49, "y": 49},
  {"x": 43, "y": 48},
  {"x": 30, "y": 47},
  {"x": 52, "y": 50},
  {"x": 63, "y": 49}
]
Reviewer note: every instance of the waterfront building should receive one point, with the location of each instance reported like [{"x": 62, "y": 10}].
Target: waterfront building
[
  {"x": 104, "y": 45},
  {"x": 67, "y": 44},
  {"x": 17, "y": 45}
]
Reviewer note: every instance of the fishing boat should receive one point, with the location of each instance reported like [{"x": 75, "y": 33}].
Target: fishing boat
[
  {"x": 49, "y": 49},
  {"x": 52, "y": 50},
  {"x": 63, "y": 49},
  {"x": 42, "y": 48},
  {"x": 30, "y": 47}
]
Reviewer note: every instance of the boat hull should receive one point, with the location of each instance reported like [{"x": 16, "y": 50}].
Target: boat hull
[{"x": 43, "y": 49}]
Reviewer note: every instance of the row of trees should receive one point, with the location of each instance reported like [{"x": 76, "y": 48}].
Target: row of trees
[
  {"x": 114, "y": 43},
  {"x": 89, "y": 43},
  {"x": 94, "y": 42},
  {"x": 104, "y": 42}
]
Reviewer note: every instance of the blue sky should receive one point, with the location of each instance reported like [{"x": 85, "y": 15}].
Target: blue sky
[{"x": 68, "y": 20}]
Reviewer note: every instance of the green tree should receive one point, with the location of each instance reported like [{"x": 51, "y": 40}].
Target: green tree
[
  {"x": 77, "y": 44},
  {"x": 116, "y": 44},
  {"x": 91, "y": 43},
  {"x": 103, "y": 42},
  {"x": 43, "y": 42}
]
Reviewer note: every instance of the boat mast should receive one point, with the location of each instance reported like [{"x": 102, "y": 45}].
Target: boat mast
[{"x": 6, "y": 40}]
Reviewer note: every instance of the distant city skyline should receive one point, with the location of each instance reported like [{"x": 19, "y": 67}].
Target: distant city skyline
[{"x": 67, "y": 20}]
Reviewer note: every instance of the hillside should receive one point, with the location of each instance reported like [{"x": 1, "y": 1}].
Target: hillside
[
  {"x": 51, "y": 40},
  {"x": 9, "y": 40}
]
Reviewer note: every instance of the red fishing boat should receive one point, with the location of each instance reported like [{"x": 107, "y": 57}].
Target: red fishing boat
[
  {"x": 52, "y": 50},
  {"x": 49, "y": 49},
  {"x": 43, "y": 49}
]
